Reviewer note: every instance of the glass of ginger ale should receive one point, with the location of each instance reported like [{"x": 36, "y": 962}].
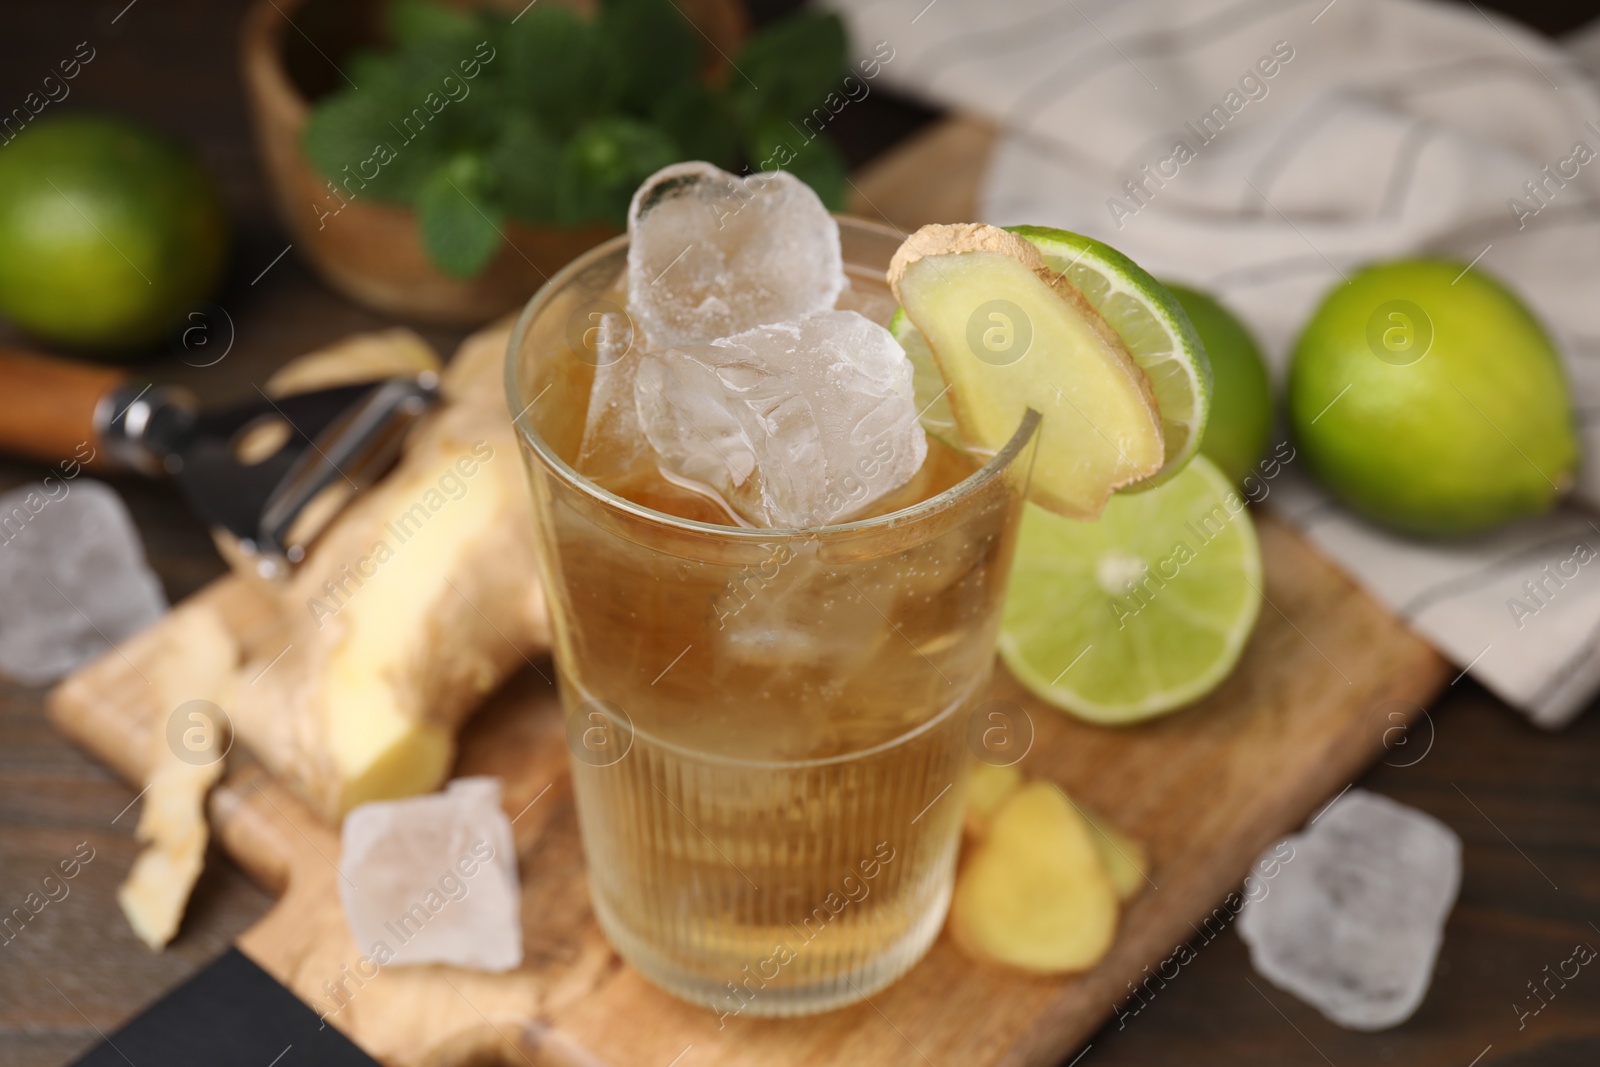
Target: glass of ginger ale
[{"x": 768, "y": 726}]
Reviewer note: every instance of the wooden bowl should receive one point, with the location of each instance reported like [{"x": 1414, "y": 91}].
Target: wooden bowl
[{"x": 371, "y": 252}]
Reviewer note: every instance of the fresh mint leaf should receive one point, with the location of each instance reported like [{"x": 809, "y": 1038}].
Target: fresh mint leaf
[
  {"x": 431, "y": 108},
  {"x": 459, "y": 222},
  {"x": 443, "y": 71},
  {"x": 788, "y": 70},
  {"x": 419, "y": 142},
  {"x": 435, "y": 75},
  {"x": 821, "y": 166},
  {"x": 336, "y": 126},
  {"x": 654, "y": 48},
  {"x": 604, "y": 163},
  {"x": 814, "y": 159},
  {"x": 556, "y": 118},
  {"x": 528, "y": 163},
  {"x": 557, "y": 64},
  {"x": 701, "y": 124},
  {"x": 416, "y": 22},
  {"x": 414, "y": 108},
  {"x": 352, "y": 142},
  {"x": 366, "y": 66}
]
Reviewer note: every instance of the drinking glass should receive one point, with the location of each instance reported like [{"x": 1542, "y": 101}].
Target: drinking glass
[{"x": 768, "y": 727}]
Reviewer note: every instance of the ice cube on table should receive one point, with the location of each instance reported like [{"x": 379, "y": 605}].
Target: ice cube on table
[
  {"x": 1353, "y": 921},
  {"x": 793, "y": 424},
  {"x": 711, "y": 254},
  {"x": 73, "y": 578},
  {"x": 433, "y": 879}
]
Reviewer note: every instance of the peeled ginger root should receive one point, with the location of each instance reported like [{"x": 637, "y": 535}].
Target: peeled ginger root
[
  {"x": 1035, "y": 894},
  {"x": 411, "y": 609}
]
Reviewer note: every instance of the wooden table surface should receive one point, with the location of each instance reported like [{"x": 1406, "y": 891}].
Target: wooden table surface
[{"x": 1524, "y": 802}]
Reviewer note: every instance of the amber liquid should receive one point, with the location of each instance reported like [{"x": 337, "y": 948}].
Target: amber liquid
[{"x": 770, "y": 740}]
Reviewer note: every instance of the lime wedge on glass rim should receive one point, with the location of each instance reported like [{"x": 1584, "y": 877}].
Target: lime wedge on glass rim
[
  {"x": 1008, "y": 334},
  {"x": 1152, "y": 323},
  {"x": 1147, "y": 608},
  {"x": 1140, "y": 612}
]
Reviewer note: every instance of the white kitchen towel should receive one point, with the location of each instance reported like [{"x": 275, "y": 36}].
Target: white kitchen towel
[{"x": 1262, "y": 150}]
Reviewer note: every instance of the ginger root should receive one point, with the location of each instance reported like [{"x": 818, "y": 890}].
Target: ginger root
[{"x": 416, "y": 604}]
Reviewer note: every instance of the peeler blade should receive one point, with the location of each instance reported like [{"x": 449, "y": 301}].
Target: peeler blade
[{"x": 270, "y": 474}]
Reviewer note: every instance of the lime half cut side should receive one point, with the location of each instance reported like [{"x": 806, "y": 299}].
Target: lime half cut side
[
  {"x": 1154, "y": 327},
  {"x": 1141, "y": 612}
]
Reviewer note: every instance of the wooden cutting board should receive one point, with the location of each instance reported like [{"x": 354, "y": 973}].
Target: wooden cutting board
[{"x": 1206, "y": 790}]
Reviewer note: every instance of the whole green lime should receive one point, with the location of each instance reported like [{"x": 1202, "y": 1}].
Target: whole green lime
[
  {"x": 1429, "y": 398},
  {"x": 108, "y": 231},
  {"x": 1241, "y": 399}
]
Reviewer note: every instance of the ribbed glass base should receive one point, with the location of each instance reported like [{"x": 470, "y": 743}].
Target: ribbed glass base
[{"x": 756, "y": 997}]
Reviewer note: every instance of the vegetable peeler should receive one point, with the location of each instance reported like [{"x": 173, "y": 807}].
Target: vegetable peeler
[{"x": 267, "y": 474}]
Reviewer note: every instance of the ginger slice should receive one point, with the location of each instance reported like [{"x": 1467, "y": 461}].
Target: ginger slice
[
  {"x": 1035, "y": 894},
  {"x": 186, "y": 758},
  {"x": 1010, "y": 334},
  {"x": 988, "y": 789},
  {"x": 1126, "y": 861}
]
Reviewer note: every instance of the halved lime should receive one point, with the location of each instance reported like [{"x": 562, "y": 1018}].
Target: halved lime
[
  {"x": 1154, "y": 326},
  {"x": 927, "y": 384},
  {"x": 1010, "y": 334},
  {"x": 1139, "y": 613}
]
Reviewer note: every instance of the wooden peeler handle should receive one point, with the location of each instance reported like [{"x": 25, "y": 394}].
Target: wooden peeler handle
[{"x": 47, "y": 405}]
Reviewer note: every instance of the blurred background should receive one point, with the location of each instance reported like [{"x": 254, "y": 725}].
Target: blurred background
[{"x": 175, "y": 66}]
